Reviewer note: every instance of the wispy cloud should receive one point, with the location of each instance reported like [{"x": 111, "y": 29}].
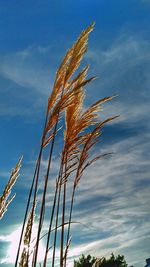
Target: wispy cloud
[
  {"x": 27, "y": 69},
  {"x": 116, "y": 195},
  {"x": 33, "y": 70},
  {"x": 112, "y": 203},
  {"x": 24, "y": 76},
  {"x": 124, "y": 69}
]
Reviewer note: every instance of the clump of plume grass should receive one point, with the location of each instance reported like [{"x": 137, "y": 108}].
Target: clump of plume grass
[
  {"x": 6, "y": 198},
  {"x": 81, "y": 134}
]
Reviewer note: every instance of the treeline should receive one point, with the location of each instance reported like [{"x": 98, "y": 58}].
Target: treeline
[{"x": 90, "y": 261}]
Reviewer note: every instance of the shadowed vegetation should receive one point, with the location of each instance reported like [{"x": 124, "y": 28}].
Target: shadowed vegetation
[{"x": 89, "y": 261}]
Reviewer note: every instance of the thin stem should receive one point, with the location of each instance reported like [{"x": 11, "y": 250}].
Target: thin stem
[
  {"x": 26, "y": 213},
  {"x": 62, "y": 231},
  {"x": 44, "y": 195},
  {"x": 50, "y": 226},
  {"x": 55, "y": 236},
  {"x": 58, "y": 204},
  {"x": 30, "y": 192},
  {"x": 53, "y": 209},
  {"x": 71, "y": 210},
  {"x": 45, "y": 187},
  {"x": 69, "y": 224},
  {"x": 63, "y": 217}
]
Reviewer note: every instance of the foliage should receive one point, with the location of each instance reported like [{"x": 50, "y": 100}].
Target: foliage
[
  {"x": 89, "y": 261},
  {"x": 118, "y": 261},
  {"x": 85, "y": 261}
]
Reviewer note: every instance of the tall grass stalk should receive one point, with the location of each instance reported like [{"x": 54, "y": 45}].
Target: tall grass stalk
[
  {"x": 44, "y": 195},
  {"x": 34, "y": 181},
  {"x": 81, "y": 134}
]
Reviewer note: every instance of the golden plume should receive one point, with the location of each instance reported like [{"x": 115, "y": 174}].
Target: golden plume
[
  {"x": 4, "y": 198},
  {"x": 68, "y": 66}
]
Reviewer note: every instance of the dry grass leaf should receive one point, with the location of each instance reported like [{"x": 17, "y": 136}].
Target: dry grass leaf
[
  {"x": 76, "y": 122},
  {"x": 67, "y": 101},
  {"x": 90, "y": 142},
  {"x": 24, "y": 260},
  {"x": 59, "y": 81},
  {"x": 89, "y": 117},
  {"x": 80, "y": 48},
  {"x": 67, "y": 249},
  {"x": 78, "y": 78},
  {"x": 4, "y": 199},
  {"x": 68, "y": 66},
  {"x": 73, "y": 111},
  {"x": 28, "y": 231}
]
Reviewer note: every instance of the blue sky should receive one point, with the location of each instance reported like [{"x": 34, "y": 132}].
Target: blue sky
[{"x": 34, "y": 37}]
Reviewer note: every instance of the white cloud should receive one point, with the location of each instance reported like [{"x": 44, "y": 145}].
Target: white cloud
[
  {"x": 117, "y": 206},
  {"x": 113, "y": 201},
  {"x": 127, "y": 57},
  {"x": 26, "y": 79},
  {"x": 124, "y": 69},
  {"x": 13, "y": 241},
  {"x": 26, "y": 69}
]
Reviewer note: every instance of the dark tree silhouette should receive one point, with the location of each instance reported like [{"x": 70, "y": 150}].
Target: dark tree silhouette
[
  {"x": 85, "y": 261},
  {"x": 113, "y": 261}
]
